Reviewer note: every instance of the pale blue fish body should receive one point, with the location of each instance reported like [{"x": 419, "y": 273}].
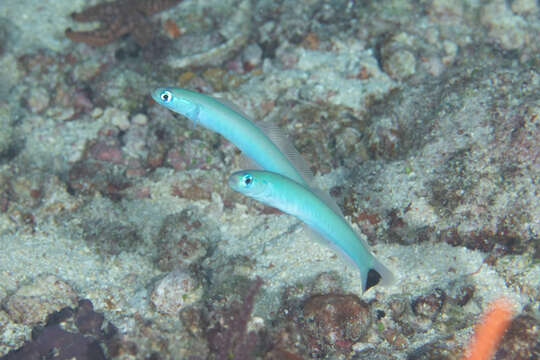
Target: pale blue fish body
[
  {"x": 231, "y": 124},
  {"x": 298, "y": 200}
]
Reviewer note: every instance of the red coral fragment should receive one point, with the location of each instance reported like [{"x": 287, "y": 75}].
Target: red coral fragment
[{"x": 119, "y": 18}]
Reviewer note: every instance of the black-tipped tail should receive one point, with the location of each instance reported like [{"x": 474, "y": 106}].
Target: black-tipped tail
[
  {"x": 378, "y": 274},
  {"x": 373, "y": 278}
]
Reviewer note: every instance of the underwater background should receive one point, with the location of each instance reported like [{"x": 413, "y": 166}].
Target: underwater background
[{"x": 120, "y": 238}]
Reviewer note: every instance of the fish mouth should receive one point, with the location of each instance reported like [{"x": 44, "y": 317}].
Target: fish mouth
[
  {"x": 234, "y": 180},
  {"x": 155, "y": 94}
]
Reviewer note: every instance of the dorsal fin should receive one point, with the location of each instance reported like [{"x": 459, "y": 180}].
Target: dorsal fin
[
  {"x": 230, "y": 104},
  {"x": 247, "y": 163},
  {"x": 285, "y": 145},
  {"x": 276, "y": 135}
]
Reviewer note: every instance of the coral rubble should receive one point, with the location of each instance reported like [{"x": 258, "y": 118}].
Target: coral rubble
[{"x": 119, "y": 18}]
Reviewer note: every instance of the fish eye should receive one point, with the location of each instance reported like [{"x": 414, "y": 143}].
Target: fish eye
[
  {"x": 165, "y": 96},
  {"x": 247, "y": 180}
]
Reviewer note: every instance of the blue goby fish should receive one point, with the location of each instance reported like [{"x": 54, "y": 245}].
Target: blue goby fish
[
  {"x": 298, "y": 200},
  {"x": 263, "y": 144}
]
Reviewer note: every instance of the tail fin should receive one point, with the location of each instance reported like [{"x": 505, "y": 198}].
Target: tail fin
[{"x": 377, "y": 274}]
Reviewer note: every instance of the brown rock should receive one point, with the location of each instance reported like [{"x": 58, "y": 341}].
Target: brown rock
[
  {"x": 175, "y": 291},
  {"x": 336, "y": 321},
  {"x": 32, "y": 303},
  {"x": 522, "y": 339},
  {"x": 430, "y": 305}
]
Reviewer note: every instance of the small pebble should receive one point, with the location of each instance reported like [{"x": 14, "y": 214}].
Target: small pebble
[
  {"x": 61, "y": 114},
  {"x": 97, "y": 112},
  {"x": 446, "y": 9},
  {"x": 139, "y": 119},
  {"x": 508, "y": 29},
  {"x": 336, "y": 320},
  {"x": 6, "y": 135},
  {"x": 116, "y": 117},
  {"x": 38, "y": 99},
  {"x": 175, "y": 291},
  {"x": 252, "y": 56},
  {"x": 31, "y": 304},
  {"x": 400, "y": 64},
  {"x": 4, "y": 320},
  {"x": 524, "y": 7},
  {"x": 430, "y": 305}
]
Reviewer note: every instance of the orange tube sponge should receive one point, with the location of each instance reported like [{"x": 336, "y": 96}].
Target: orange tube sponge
[{"x": 489, "y": 331}]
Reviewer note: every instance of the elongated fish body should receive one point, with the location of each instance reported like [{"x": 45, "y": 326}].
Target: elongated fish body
[
  {"x": 231, "y": 124},
  {"x": 296, "y": 199}
]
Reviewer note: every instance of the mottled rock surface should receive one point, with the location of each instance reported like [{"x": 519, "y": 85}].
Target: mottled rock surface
[
  {"x": 32, "y": 303},
  {"x": 420, "y": 118},
  {"x": 177, "y": 290}
]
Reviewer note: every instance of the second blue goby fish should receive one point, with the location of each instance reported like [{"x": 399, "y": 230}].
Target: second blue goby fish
[
  {"x": 263, "y": 144},
  {"x": 293, "y": 198}
]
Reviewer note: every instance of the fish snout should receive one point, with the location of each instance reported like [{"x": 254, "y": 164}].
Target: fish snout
[{"x": 235, "y": 181}]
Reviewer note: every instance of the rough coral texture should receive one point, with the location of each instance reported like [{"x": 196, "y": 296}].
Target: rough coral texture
[
  {"x": 119, "y": 18},
  {"x": 420, "y": 118},
  {"x": 182, "y": 239},
  {"x": 336, "y": 320},
  {"x": 228, "y": 333},
  {"x": 175, "y": 291},
  {"x": 84, "y": 343},
  {"x": 32, "y": 303}
]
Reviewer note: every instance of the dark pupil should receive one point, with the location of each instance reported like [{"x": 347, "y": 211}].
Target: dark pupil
[
  {"x": 247, "y": 180},
  {"x": 164, "y": 97}
]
